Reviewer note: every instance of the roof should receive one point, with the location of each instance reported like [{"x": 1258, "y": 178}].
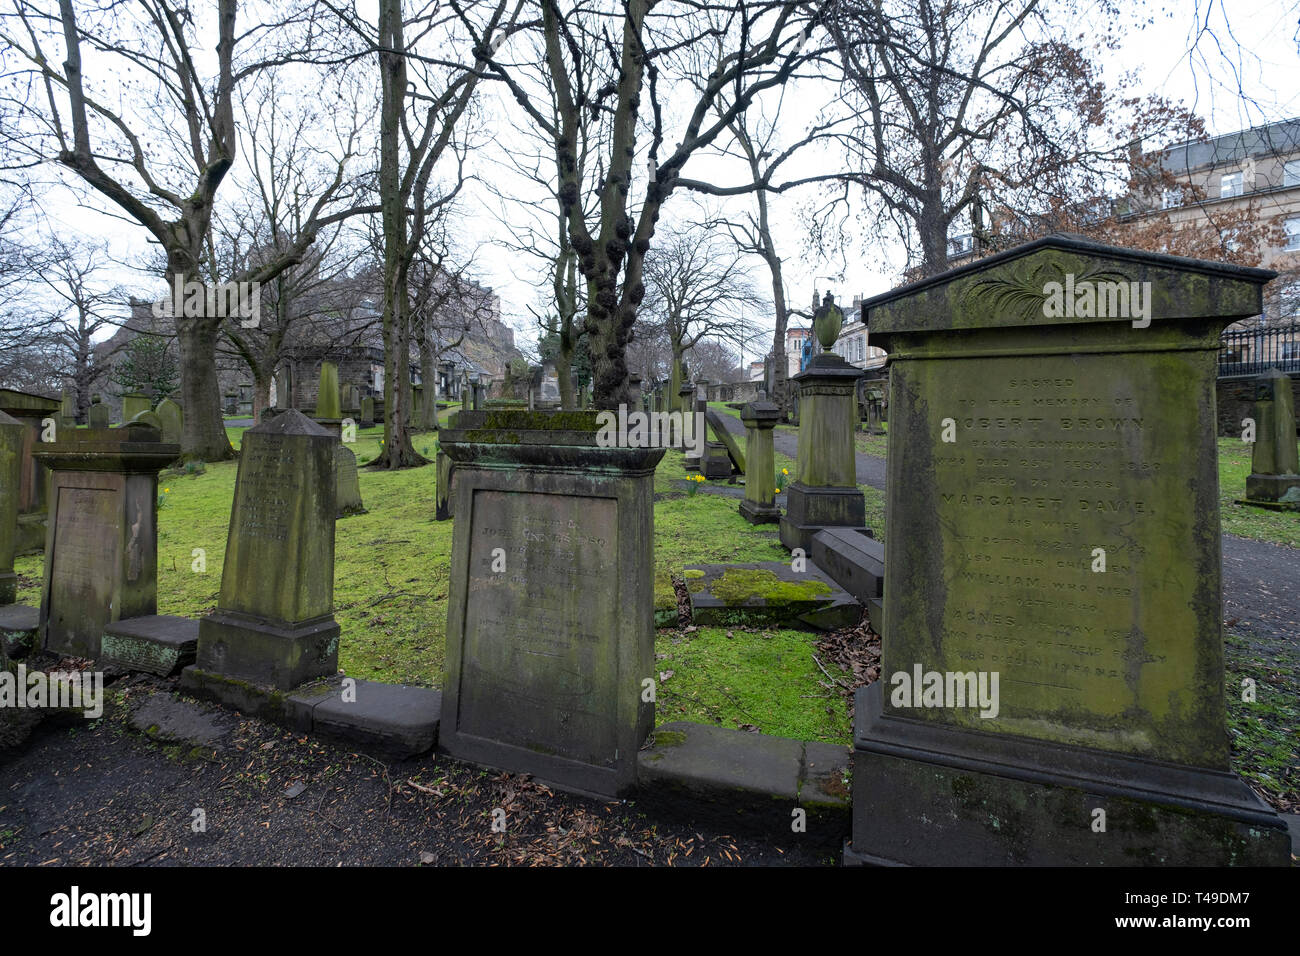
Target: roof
[{"x": 1259, "y": 141}]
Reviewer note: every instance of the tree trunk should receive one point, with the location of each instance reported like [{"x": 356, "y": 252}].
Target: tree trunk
[{"x": 261, "y": 393}]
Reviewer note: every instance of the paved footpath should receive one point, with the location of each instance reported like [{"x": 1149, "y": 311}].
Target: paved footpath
[{"x": 1261, "y": 581}]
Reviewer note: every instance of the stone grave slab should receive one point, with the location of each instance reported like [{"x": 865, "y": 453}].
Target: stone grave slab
[
  {"x": 157, "y": 643},
  {"x": 19, "y": 625},
  {"x": 768, "y": 594},
  {"x": 855, "y": 561}
]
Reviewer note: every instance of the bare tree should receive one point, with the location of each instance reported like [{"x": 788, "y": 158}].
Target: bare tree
[
  {"x": 622, "y": 62},
  {"x": 162, "y": 156},
  {"x": 697, "y": 288}
]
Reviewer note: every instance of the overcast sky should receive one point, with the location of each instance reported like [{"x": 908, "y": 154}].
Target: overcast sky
[{"x": 1269, "y": 73}]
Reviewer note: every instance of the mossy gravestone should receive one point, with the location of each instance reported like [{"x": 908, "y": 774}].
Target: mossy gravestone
[
  {"x": 133, "y": 403},
  {"x": 550, "y": 633},
  {"x": 1275, "y": 470},
  {"x": 347, "y": 483},
  {"x": 169, "y": 413},
  {"x": 101, "y": 552},
  {"x": 274, "y": 624},
  {"x": 759, "y": 506},
  {"x": 99, "y": 415},
  {"x": 1052, "y": 680},
  {"x": 11, "y": 471}
]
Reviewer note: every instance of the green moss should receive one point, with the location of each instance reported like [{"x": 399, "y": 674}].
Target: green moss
[
  {"x": 669, "y": 738},
  {"x": 739, "y": 585}
]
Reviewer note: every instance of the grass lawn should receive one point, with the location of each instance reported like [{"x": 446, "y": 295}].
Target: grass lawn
[{"x": 1279, "y": 527}]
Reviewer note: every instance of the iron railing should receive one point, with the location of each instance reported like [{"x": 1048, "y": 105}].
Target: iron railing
[{"x": 1251, "y": 351}]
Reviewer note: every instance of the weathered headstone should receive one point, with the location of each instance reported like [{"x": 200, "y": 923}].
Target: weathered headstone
[
  {"x": 550, "y": 614},
  {"x": 686, "y": 398},
  {"x": 442, "y": 505},
  {"x": 1052, "y": 680},
  {"x": 826, "y": 493},
  {"x": 169, "y": 413},
  {"x": 39, "y": 416},
  {"x": 99, "y": 415},
  {"x": 327, "y": 394},
  {"x": 133, "y": 403},
  {"x": 759, "y": 504},
  {"x": 351, "y": 399},
  {"x": 367, "y": 412},
  {"x": 11, "y": 471},
  {"x": 68, "y": 409},
  {"x": 101, "y": 553},
  {"x": 347, "y": 483},
  {"x": 274, "y": 624},
  {"x": 1274, "y": 464}
]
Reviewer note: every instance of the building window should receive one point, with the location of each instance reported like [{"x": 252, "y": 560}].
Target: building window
[
  {"x": 1231, "y": 184},
  {"x": 1171, "y": 198},
  {"x": 1292, "y": 234},
  {"x": 960, "y": 245},
  {"x": 1291, "y": 173}
]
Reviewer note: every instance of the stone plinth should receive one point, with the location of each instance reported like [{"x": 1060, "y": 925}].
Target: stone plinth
[
  {"x": 759, "y": 506},
  {"x": 826, "y": 493},
  {"x": 549, "y": 621},
  {"x": 274, "y": 624},
  {"x": 1053, "y": 560},
  {"x": 101, "y": 550}
]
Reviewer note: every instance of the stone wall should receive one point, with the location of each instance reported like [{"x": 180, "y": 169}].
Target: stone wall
[{"x": 1236, "y": 396}]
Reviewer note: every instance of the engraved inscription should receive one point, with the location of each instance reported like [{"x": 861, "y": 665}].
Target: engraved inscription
[
  {"x": 86, "y": 535},
  {"x": 538, "y": 665}
]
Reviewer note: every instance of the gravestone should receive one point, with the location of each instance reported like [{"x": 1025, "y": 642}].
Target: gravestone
[
  {"x": 826, "y": 494},
  {"x": 550, "y": 612},
  {"x": 347, "y": 483},
  {"x": 327, "y": 395},
  {"x": 11, "y": 471},
  {"x": 133, "y": 403},
  {"x": 68, "y": 409},
  {"x": 274, "y": 624},
  {"x": 634, "y": 393},
  {"x": 351, "y": 399},
  {"x": 442, "y": 491},
  {"x": 169, "y": 414},
  {"x": 685, "y": 399},
  {"x": 1054, "y": 525},
  {"x": 759, "y": 504},
  {"x": 99, "y": 416},
  {"x": 101, "y": 553},
  {"x": 367, "y": 412},
  {"x": 1274, "y": 464},
  {"x": 280, "y": 397},
  {"x": 36, "y": 413}
]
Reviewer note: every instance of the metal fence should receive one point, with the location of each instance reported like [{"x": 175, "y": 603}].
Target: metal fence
[{"x": 1251, "y": 351}]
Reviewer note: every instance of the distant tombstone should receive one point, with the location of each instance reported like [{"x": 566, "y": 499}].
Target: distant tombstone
[
  {"x": 685, "y": 401},
  {"x": 1052, "y": 639},
  {"x": 550, "y": 386},
  {"x": 442, "y": 491},
  {"x": 327, "y": 394},
  {"x": 99, "y": 416},
  {"x": 347, "y": 482},
  {"x": 68, "y": 409},
  {"x": 274, "y": 624},
  {"x": 417, "y": 407},
  {"x": 351, "y": 398},
  {"x": 696, "y": 450},
  {"x": 367, "y": 412},
  {"x": 1274, "y": 468},
  {"x": 101, "y": 556},
  {"x": 550, "y": 630},
  {"x": 169, "y": 413},
  {"x": 759, "y": 505},
  {"x": 11, "y": 470},
  {"x": 133, "y": 403},
  {"x": 280, "y": 389}
]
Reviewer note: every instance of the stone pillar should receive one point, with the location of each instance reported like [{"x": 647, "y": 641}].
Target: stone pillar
[
  {"x": 274, "y": 624},
  {"x": 550, "y": 615},
  {"x": 1100, "y": 522},
  {"x": 11, "y": 470},
  {"x": 634, "y": 393},
  {"x": 693, "y": 425},
  {"x": 826, "y": 493},
  {"x": 36, "y": 413},
  {"x": 101, "y": 553},
  {"x": 1275, "y": 472},
  {"x": 685, "y": 399},
  {"x": 759, "y": 505}
]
